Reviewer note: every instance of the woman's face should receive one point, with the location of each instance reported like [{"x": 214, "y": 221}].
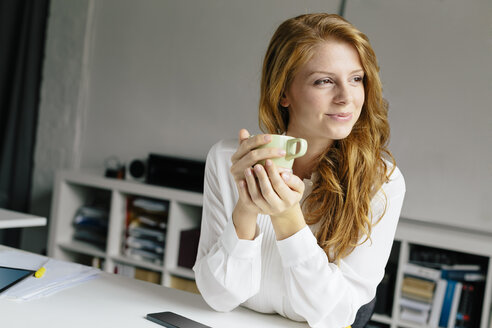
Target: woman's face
[{"x": 326, "y": 95}]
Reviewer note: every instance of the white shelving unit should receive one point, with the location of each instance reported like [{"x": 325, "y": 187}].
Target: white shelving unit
[
  {"x": 448, "y": 238},
  {"x": 73, "y": 188}
]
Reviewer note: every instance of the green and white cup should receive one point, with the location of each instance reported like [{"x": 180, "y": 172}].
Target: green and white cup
[{"x": 294, "y": 148}]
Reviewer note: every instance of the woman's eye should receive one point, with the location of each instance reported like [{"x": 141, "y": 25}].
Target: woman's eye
[
  {"x": 358, "y": 78},
  {"x": 323, "y": 81}
]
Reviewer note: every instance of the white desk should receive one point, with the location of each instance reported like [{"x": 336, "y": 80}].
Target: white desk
[
  {"x": 120, "y": 302},
  {"x": 12, "y": 219}
]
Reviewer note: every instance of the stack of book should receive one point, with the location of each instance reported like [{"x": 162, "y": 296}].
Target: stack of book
[
  {"x": 448, "y": 297},
  {"x": 146, "y": 229},
  {"x": 91, "y": 225},
  {"x": 417, "y": 293}
]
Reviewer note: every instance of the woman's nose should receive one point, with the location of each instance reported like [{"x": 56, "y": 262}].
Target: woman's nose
[{"x": 343, "y": 95}]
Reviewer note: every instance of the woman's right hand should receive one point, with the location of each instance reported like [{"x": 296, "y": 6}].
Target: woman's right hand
[{"x": 245, "y": 212}]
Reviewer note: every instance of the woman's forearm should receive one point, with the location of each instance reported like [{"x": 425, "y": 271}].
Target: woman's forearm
[
  {"x": 288, "y": 223},
  {"x": 244, "y": 222}
]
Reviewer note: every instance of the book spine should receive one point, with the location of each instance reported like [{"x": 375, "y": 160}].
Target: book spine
[
  {"x": 464, "y": 308},
  {"x": 461, "y": 275},
  {"x": 422, "y": 272},
  {"x": 437, "y": 303},
  {"x": 447, "y": 303},
  {"x": 454, "y": 305}
]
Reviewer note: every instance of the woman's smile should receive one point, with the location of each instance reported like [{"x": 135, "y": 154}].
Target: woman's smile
[{"x": 341, "y": 117}]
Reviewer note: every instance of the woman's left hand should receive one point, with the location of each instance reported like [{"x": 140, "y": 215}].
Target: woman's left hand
[{"x": 273, "y": 193}]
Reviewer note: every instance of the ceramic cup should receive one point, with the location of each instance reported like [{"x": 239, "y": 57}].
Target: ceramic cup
[{"x": 290, "y": 145}]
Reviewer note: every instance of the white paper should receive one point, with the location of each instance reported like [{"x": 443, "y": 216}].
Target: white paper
[{"x": 59, "y": 275}]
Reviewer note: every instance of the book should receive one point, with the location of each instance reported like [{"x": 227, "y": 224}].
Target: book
[
  {"x": 146, "y": 233},
  {"x": 142, "y": 255},
  {"x": 124, "y": 270},
  {"x": 422, "y": 272},
  {"x": 462, "y": 274},
  {"x": 465, "y": 307},
  {"x": 147, "y": 275},
  {"x": 145, "y": 244},
  {"x": 151, "y": 205},
  {"x": 415, "y": 316},
  {"x": 152, "y": 222},
  {"x": 183, "y": 284},
  {"x": 418, "y": 289},
  {"x": 454, "y": 304},
  {"x": 92, "y": 211},
  {"x": 447, "y": 303},
  {"x": 437, "y": 302},
  {"x": 415, "y": 305}
]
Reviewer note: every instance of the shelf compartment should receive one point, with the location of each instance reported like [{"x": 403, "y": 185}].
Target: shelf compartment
[
  {"x": 185, "y": 217},
  {"x": 81, "y": 247},
  {"x": 69, "y": 198}
]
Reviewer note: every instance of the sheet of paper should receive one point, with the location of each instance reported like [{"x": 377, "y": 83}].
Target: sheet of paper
[{"x": 59, "y": 275}]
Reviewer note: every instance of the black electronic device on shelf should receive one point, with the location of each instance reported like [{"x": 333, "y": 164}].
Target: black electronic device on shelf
[{"x": 175, "y": 172}]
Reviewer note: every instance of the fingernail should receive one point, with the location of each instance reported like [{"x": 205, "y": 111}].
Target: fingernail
[
  {"x": 268, "y": 162},
  {"x": 248, "y": 172},
  {"x": 286, "y": 176},
  {"x": 268, "y": 137},
  {"x": 282, "y": 152},
  {"x": 258, "y": 168},
  {"x": 242, "y": 183}
]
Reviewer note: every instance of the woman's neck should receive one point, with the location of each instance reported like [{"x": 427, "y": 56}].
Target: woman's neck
[{"x": 304, "y": 166}]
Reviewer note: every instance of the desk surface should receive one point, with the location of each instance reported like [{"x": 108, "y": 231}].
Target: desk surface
[
  {"x": 12, "y": 219},
  {"x": 116, "y": 301}
]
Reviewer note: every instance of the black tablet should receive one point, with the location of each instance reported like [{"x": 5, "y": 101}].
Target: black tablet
[
  {"x": 173, "y": 320},
  {"x": 11, "y": 276}
]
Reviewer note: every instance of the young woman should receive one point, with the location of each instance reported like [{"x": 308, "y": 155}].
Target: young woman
[{"x": 310, "y": 244}]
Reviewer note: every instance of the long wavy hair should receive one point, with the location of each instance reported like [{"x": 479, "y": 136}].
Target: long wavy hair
[{"x": 351, "y": 170}]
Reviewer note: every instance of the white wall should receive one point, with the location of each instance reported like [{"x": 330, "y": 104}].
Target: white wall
[
  {"x": 436, "y": 66},
  {"x": 60, "y": 117},
  {"x": 174, "y": 77}
]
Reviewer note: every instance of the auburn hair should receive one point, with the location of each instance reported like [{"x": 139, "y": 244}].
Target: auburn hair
[{"x": 351, "y": 170}]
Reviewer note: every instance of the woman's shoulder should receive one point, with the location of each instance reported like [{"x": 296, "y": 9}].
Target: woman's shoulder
[
  {"x": 224, "y": 148},
  {"x": 396, "y": 181},
  {"x": 219, "y": 155}
]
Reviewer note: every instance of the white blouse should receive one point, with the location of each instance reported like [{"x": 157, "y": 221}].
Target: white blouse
[{"x": 292, "y": 277}]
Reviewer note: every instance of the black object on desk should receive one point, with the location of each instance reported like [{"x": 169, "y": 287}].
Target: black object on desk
[{"x": 173, "y": 320}]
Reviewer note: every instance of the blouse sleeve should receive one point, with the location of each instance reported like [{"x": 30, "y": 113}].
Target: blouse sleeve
[
  {"x": 327, "y": 295},
  {"x": 227, "y": 269}
]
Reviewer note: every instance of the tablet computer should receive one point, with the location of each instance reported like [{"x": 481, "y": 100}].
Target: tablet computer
[
  {"x": 174, "y": 320},
  {"x": 11, "y": 276}
]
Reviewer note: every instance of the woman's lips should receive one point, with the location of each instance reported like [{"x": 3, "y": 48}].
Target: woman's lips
[{"x": 341, "y": 117}]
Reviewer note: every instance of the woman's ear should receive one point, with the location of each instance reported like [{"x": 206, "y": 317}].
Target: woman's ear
[{"x": 284, "y": 102}]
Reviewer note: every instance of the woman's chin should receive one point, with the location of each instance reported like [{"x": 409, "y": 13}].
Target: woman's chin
[{"x": 339, "y": 134}]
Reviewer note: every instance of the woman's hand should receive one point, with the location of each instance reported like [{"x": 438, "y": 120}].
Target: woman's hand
[
  {"x": 246, "y": 211},
  {"x": 246, "y": 156},
  {"x": 272, "y": 192},
  {"x": 276, "y": 194}
]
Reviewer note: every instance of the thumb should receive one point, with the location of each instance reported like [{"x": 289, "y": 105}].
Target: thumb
[
  {"x": 243, "y": 135},
  {"x": 293, "y": 181}
]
